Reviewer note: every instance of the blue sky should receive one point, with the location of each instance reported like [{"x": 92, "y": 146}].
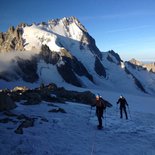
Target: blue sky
[{"x": 125, "y": 26}]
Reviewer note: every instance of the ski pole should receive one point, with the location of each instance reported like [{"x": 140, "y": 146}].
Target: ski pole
[
  {"x": 105, "y": 117},
  {"x": 129, "y": 113},
  {"x": 89, "y": 114}
]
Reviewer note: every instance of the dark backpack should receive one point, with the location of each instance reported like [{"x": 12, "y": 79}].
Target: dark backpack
[{"x": 103, "y": 104}]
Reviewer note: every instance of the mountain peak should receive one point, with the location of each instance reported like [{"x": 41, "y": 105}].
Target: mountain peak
[
  {"x": 66, "y": 21},
  {"x": 135, "y": 62}
]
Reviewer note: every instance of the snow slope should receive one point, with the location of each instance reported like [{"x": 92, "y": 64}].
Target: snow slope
[{"x": 75, "y": 133}]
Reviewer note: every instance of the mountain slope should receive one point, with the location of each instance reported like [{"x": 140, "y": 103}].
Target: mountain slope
[{"x": 63, "y": 52}]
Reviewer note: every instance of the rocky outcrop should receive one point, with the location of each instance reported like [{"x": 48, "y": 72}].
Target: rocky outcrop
[
  {"x": 136, "y": 81},
  {"x": 26, "y": 123},
  {"x": 12, "y": 40},
  {"x": 68, "y": 69},
  {"x": 150, "y": 67},
  {"x": 147, "y": 66},
  {"x": 114, "y": 57},
  {"x": 44, "y": 92},
  {"x": 99, "y": 68},
  {"x": 50, "y": 57},
  {"x": 90, "y": 42},
  {"x": 6, "y": 102},
  {"x": 28, "y": 69},
  {"x": 136, "y": 62}
]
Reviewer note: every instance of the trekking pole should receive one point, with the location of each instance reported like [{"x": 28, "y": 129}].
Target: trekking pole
[
  {"x": 129, "y": 113},
  {"x": 89, "y": 114},
  {"x": 105, "y": 117},
  {"x": 117, "y": 110}
]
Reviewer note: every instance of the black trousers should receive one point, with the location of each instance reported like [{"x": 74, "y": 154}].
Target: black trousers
[
  {"x": 121, "y": 112},
  {"x": 100, "y": 120}
]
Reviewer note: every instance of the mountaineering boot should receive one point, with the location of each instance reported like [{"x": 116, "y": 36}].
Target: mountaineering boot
[{"x": 99, "y": 127}]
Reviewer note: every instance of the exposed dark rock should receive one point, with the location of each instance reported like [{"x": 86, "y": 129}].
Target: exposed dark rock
[
  {"x": 116, "y": 56},
  {"x": 5, "y": 120},
  {"x": 68, "y": 75},
  {"x": 22, "y": 117},
  {"x": 90, "y": 42},
  {"x": 80, "y": 69},
  {"x": 83, "y": 97},
  {"x": 6, "y": 103},
  {"x": 29, "y": 122},
  {"x": 58, "y": 110},
  {"x": 44, "y": 119},
  {"x": 70, "y": 65},
  {"x": 10, "y": 114},
  {"x": 137, "y": 82},
  {"x": 49, "y": 56},
  {"x": 32, "y": 98},
  {"x": 28, "y": 69},
  {"x": 99, "y": 68},
  {"x": 8, "y": 76},
  {"x": 110, "y": 59}
]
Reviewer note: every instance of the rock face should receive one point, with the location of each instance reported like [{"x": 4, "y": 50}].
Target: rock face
[
  {"x": 99, "y": 68},
  {"x": 150, "y": 67},
  {"x": 69, "y": 67},
  {"x": 12, "y": 40},
  {"x": 28, "y": 69},
  {"x": 6, "y": 103},
  {"x": 43, "y": 93}
]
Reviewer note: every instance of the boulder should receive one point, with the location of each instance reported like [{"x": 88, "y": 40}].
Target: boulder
[{"x": 6, "y": 102}]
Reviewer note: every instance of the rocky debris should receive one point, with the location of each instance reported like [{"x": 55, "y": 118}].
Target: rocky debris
[
  {"x": 6, "y": 102},
  {"x": 32, "y": 98},
  {"x": 10, "y": 114},
  {"x": 28, "y": 122},
  {"x": 50, "y": 93},
  {"x": 73, "y": 96},
  {"x": 44, "y": 119},
  {"x": 22, "y": 117},
  {"x": 57, "y": 110},
  {"x": 6, "y": 120}
]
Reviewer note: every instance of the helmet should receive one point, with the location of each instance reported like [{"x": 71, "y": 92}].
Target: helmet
[{"x": 121, "y": 96}]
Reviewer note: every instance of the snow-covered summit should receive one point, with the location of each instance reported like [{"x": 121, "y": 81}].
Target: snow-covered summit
[{"x": 53, "y": 32}]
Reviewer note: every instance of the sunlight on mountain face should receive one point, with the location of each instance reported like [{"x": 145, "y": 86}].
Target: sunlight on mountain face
[{"x": 122, "y": 65}]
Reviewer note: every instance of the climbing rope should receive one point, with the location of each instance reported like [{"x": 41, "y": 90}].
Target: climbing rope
[{"x": 93, "y": 145}]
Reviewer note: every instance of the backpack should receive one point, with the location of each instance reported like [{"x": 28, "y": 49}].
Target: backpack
[{"x": 103, "y": 103}]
